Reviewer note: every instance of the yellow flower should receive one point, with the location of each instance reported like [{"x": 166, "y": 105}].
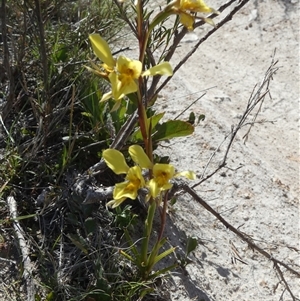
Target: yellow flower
[
  {"x": 124, "y": 80},
  {"x": 129, "y": 188},
  {"x": 195, "y": 6},
  {"x": 122, "y": 73},
  {"x": 134, "y": 178},
  {"x": 187, "y": 9},
  {"x": 162, "y": 174}
]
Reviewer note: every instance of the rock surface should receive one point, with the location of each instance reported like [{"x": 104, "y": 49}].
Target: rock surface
[{"x": 258, "y": 191}]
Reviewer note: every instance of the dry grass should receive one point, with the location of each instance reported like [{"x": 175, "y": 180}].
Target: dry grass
[{"x": 52, "y": 128}]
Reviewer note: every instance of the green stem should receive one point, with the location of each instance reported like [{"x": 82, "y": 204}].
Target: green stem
[
  {"x": 163, "y": 216},
  {"x": 166, "y": 12},
  {"x": 143, "y": 118},
  {"x": 141, "y": 108},
  {"x": 150, "y": 147},
  {"x": 146, "y": 239},
  {"x": 140, "y": 25},
  {"x": 164, "y": 271},
  {"x": 143, "y": 34},
  {"x": 131, "y": 244}
]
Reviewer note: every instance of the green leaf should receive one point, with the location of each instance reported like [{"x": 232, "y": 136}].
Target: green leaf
[
  {"x": 124, "y": 217},
  {"x": 192, "y": 118},
  {"x": 154, "y": 121},
  {"x": 163, "y": 255},
  {"x": 62, "y": 54},
  {"x": 78, "y": 242},
  {"x": 173, "y": 201},
  {"x": 201, "y": 118},
  {"x": 23, "y": 217},
  {"x": 50, "y": 296},
  {"x": 73, "y": 219},
  {"x": 144, "y": 292},
  {"x": 90, "y": 225},
  {"x": 192, "y": 244},
  {"x": 173, "y": 128}
]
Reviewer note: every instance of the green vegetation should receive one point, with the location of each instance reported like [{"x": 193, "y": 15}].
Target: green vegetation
[
  {"x": 56, "y": 127},
  {"x": 70, "y": 149}
]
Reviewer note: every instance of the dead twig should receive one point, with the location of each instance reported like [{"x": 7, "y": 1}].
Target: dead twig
[
  {"x": 118, "y": 142},
  {"x": 20, "y": 234},
  {"x": 246, "y": 238},
  {"x": 153, "y": 92},
  {"x": 81, "y": 186},
  {"x": 256, "y": 100},
  {"x": 7, "y": 64}
]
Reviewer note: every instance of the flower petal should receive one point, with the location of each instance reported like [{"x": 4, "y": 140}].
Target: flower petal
[
  {"x": 160, "y": 69},
  {"x": 187, "y": 21},
  {"x": 128, "y": 67},
  {"x": 115, "y": 86},
  {"x": 201, "y": 7},
  {"x": 167, "y": 186},
  {"x": 209, "y": 21},
  {"x": 121, "y": 85},
  {"x": 187, "y": 174},
  {"x": 115, "y": 161},
  {"x": 101, "y": 49},
  {"x": 153, "y": 188},
  {"x": 116, "y": 106},
  {"x": 139, "y": 156},
  {"x": 127, "y": 86},
  {"x": 125, "y": 190},
  {"x": 134, "y": 175},
  {"x": 164, "y": 172},
  {"x": 96, "y": 70},
  {"x": 106, "y": 96},
  {"x": 194, "y": 6},
  {"x": 115, "y": 203}
]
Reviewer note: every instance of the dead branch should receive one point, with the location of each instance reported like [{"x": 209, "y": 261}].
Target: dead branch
[
  {"x": 255, "y": 101},
  {"x": 246, "y": 238},
  {"x": 118, "y": 142},
  {"x": 99, "y": 194},
  {"x": 20, "y": 234},
  {"x": 7, "y": 64},
  {"x": 153, "y": 92}
]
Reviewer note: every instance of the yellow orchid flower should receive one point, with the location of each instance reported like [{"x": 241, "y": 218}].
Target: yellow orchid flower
[
  {"x": 122, "y": 73},
  {"x": 186, "y": 9},
  {"x": 134, "y": 179},
  {"x": 162, "y": 174},
  {"x": 129, "y": 188}
]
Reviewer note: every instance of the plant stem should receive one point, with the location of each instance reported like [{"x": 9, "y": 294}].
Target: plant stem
[
  {"x": 143, "y": 119},
  {"x": 147, "y": 233},
  {"x": 143, "y": 34},
  {"x": 163, "y": 216}
]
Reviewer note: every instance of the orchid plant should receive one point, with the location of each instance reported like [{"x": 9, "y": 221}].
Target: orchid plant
[{"x": 128, "y": 79}]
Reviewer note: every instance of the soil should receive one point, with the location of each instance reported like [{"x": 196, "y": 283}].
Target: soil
[{"x": 258, "y": 191}]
